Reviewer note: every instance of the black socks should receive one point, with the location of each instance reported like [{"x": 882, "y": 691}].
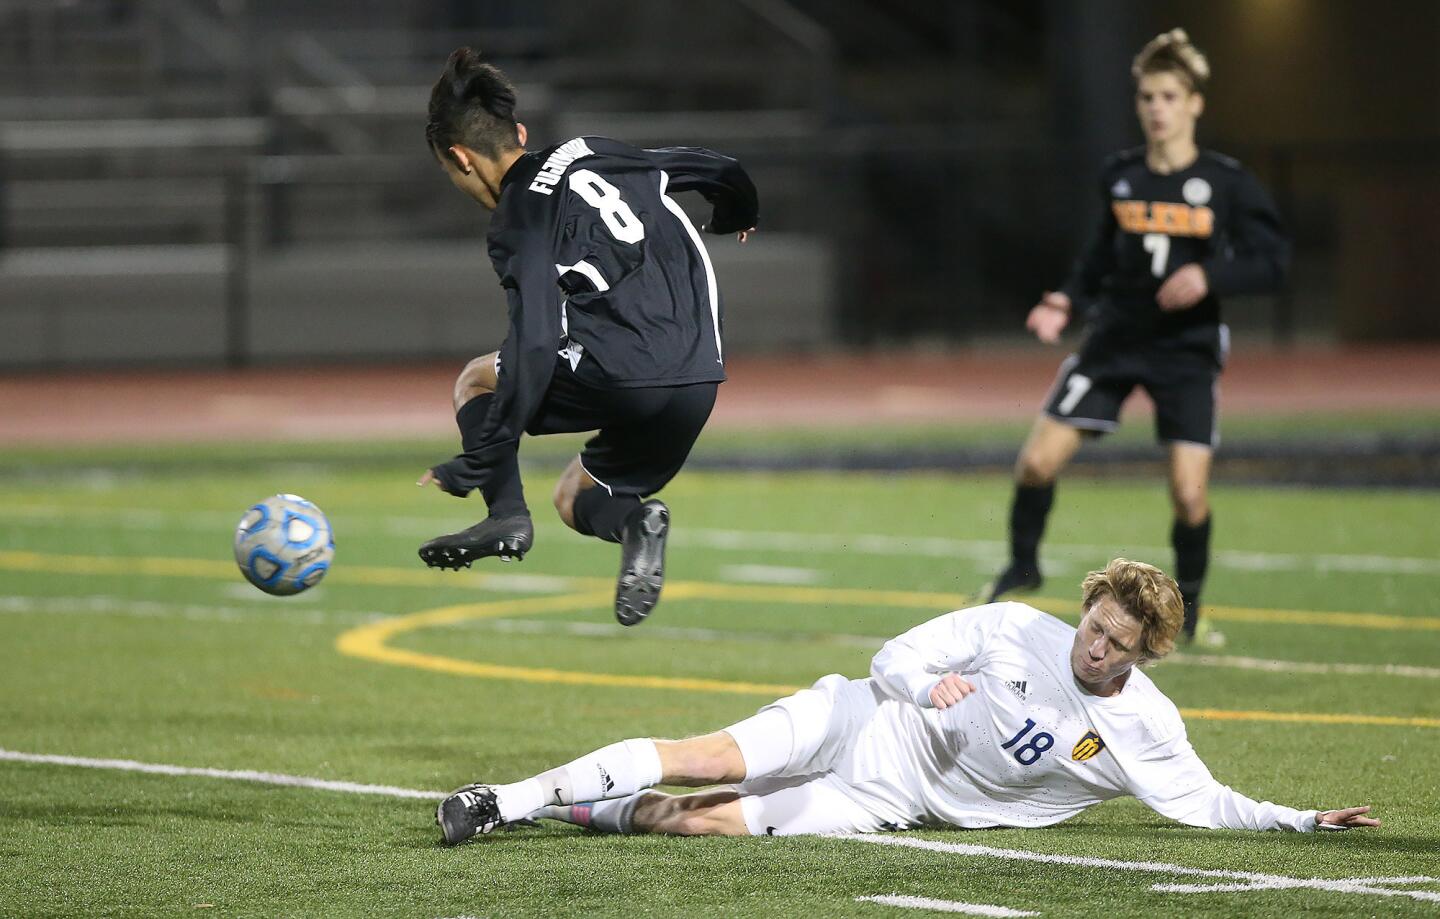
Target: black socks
[
  {"x": 1028, "y": 513},
  {"x": 601, "y": 514},
  {"x": 1192, "y": 559},
  {"x": 504, "y": 495}
]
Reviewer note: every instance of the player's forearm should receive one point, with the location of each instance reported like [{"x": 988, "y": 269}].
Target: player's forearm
[
  {"x": 1246, "y": 274},
  {"x": 1225, "y": 809}
]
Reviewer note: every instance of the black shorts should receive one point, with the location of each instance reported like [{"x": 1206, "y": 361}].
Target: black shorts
[
  {"x": 645, "y": 434},
  {"x": 1182, "y": 382}
]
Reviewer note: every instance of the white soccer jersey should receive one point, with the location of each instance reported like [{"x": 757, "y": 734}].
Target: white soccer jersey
[{"x": 1030, "y": 747}]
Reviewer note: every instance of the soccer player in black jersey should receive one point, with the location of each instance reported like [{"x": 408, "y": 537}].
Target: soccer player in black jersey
[
  {"x": 614, "y": 325},
  {"x": 1181, "y": 228}
]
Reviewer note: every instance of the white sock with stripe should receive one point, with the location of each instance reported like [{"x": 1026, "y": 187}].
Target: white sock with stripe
[{"x": 616, "y": 771}]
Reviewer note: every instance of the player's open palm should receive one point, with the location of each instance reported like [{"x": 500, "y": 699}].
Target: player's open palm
[
  {"x": 951, "y": 689},
  {"x": 1049, "y": 317},
  {"x": 1345, "y": 818}
]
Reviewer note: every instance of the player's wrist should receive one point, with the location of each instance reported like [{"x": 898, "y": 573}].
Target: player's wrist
[
  {"x": 1058, "y": 302},
  {"x": 923, "y": 697}
]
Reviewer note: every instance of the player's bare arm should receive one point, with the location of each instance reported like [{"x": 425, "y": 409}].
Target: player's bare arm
[{"x": 1183, "y": 289}]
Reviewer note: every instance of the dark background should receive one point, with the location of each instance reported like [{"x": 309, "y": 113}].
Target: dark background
[{"x": 204, "y": 181}]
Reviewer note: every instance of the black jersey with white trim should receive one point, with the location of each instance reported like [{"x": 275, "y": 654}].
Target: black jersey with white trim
[
  {"x": 1212, "y": 213},
  {"x": 601, "y": 265}
]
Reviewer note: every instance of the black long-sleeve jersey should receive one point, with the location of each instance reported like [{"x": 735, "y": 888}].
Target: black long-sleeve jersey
[
  {"x": 603, "y": 267},
  {"x": 1213, "y": 213}
]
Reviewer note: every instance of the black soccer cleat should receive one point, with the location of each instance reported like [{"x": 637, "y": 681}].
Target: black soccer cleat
[
  {"x": 469, "y": 811},
  {"x": 509, "y": 538},
  {"x": 1015, "y": 577},
  {"x": 642, "y": 561}
]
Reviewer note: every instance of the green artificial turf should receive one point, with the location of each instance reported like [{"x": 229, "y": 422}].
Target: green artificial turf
[{"x": 105, "y": 655}]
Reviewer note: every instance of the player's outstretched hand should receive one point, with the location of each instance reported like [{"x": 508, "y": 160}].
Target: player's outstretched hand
[
  {"x": 430, "y": 478},
  {"x": 1049, "y": 317},
  {"x": 1183, "y": 289},
  {"x": 1344, "y": 818},
  {"x": 950, "y": 690}
]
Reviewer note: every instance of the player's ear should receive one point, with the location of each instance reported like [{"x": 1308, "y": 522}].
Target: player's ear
[
  {"x": 520, "y": 133},
  {"x": 1197, "y": 105},
  {"x": 463, "y": 157}
]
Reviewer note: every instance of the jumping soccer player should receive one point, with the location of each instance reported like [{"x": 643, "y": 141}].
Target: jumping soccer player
[
  {"x": 614, "y": 325},
  {"x": 1181, "y": 228},
  {"x": 1000, "y": 715}
]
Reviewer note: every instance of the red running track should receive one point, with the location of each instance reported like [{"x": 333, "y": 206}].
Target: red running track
[{"x": 348, "y": 402}]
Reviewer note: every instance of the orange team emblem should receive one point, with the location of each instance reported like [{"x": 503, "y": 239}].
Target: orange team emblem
[{"x": 1087, "y": 746}]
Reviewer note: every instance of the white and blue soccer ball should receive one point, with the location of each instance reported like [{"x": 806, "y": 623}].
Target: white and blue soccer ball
[{"x": 284, "y": 545}]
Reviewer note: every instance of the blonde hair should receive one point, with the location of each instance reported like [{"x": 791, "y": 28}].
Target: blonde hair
[
  {"x": 1172, "y": 52},
  {"x": 1145, "y": 592}
]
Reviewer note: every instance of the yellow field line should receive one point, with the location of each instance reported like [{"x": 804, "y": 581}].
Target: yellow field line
[
  {"x": 12, "y": 560},
  {"x": 370, "y": 642}
]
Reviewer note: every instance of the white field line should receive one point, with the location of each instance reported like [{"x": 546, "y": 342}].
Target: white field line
[
  {"x": 769, "y": 574},
  {"x": 101, "y": 605},
  {"x": 239, "y": 775},
  {"x": 1272, "y": 666},
  {"x": 986, "y": 552},
  {"x": 944, "y": 906},
  {"x": 994, "y": 551},
  {"x": 1253, "y": 880}
]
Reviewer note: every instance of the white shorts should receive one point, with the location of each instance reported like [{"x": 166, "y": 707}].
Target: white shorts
[{"x": 790, "y": 745}]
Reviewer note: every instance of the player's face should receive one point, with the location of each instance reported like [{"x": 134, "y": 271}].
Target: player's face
[
  {"x": 1166, "y": 107},
  {"x": 1107, "y": 645}
]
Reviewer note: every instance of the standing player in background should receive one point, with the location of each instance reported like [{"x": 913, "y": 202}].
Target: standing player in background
[
  {"x": 614, "y": 325},
  {"x": 1181, "y": 228}
]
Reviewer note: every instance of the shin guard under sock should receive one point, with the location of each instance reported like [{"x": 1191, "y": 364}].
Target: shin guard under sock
[
  {"x": 1028, "y": 513},
  {"x": 1192, "y": 560},
  {"x": 502, "y": 490},
  {"x": 601, "y": 514}
]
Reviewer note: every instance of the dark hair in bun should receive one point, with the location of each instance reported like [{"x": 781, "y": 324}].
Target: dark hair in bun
[{"x": 472, "y": 104}]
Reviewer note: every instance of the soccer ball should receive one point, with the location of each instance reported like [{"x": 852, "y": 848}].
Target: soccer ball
[{"x": 284, "y": 545}]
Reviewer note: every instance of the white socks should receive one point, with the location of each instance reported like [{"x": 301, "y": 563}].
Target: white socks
[
  {"x": 616, "y": 771},
  {"x": 614, "y": 816}
]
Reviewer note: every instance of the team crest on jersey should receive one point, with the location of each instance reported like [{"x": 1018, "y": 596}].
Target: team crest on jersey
[
  {"x": 1086, "y": 747},
  {"x": 1017, "y": 687},
  {"x": 1121, "y": 189},
  {"x": 1196, "y": 192}
]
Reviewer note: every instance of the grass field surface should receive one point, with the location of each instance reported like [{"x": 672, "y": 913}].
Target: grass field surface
[{"x": 128, "y": 635}]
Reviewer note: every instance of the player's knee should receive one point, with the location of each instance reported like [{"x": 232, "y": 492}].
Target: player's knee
[
  {"x": 476, "y": 379},
  {"x": 703, "y": 760},
  {"x": 564, "y": 501},
  {"x": 567, "y": 489},
  {"x": 1034, "y": 468},
  {"x": 1191, "y": 503}
]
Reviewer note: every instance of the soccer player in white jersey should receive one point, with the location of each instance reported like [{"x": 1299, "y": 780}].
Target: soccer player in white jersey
[{"x": 999, "y": 715}]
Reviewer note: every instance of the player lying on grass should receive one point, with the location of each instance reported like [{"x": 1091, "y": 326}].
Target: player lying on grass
[
  {"x": 1000, "y": 715},
  {"x": 614, "y": 325}
]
